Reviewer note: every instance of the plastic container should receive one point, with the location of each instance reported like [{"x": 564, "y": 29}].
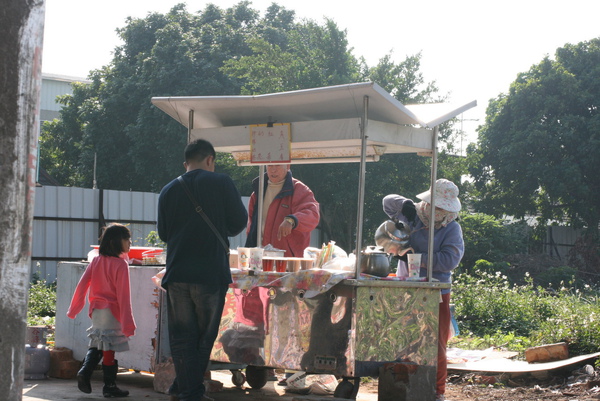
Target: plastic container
[
  {"x": 150, "y": 257},
  {"x": 268, "y": 264},
  {"x": 256, "y": 257},
  {"x": 161, "y": 258},
  {"x": 280, "y": 265},
  {"x": 414, "y": 264},
  {"x": 136, "y": 252},
  {"x": 274, "y": 253},
  {"x": 243, "y": 258}
]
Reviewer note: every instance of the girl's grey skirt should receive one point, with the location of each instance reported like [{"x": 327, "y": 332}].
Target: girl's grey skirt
[{"x": 105, "y": 333}]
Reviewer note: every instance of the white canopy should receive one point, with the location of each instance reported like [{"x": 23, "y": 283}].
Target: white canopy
[{"x": 325, "y": 122}]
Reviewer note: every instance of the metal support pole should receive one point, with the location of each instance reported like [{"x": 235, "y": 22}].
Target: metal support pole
[
  {"x": 434, "y": 145},
  {"x": 190, "y": 125},
  {"x": 259, "y": 205},
  {"x": 361, "y": 183}
]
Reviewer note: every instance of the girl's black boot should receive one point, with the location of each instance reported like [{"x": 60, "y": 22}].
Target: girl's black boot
[
  {"x": 84, "y": 375},
  {"x": 110, "y": 388}
]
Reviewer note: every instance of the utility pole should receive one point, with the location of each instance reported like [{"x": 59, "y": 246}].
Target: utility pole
[
  {"x": 94, "y": 183},
  {"x": 21, "y": 30},
  {"x": 462, "y": 132}
]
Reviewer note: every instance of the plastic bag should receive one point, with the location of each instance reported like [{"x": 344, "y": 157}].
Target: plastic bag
[
  {"x": 297, "y": 381},
  {"x": 302, "y": 383},
  {"x": 321, "y": 384},
  {"x": 92, "y": 254},
  {"x": 347, "y": 264},
  {"x": 330, "y": 251},
  {"x": 157, "y": 278},
  {"x": 402, "y": 270},
  {"x": 314, "y": 253}
]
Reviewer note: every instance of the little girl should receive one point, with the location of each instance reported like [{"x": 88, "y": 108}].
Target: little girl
[{"x": 107, "y": 280}]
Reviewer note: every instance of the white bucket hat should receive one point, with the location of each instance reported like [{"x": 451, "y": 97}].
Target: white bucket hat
[{"x": 446, "y": 195}]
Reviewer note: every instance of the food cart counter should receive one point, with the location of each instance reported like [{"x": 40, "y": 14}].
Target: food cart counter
[{"x": 324, "y": 321}]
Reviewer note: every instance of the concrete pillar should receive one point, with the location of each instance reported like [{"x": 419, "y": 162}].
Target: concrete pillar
[{"x": 21, "y": 30}]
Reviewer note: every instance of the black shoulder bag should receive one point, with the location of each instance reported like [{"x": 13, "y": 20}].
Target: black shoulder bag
[{"x": 199, "y": 210}]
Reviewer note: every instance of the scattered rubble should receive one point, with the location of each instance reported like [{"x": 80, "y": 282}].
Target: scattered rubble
[{"x": 582, "y": 384}]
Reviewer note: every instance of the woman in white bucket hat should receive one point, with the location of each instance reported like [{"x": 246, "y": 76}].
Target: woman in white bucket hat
[{"x": 448, "y": 249}]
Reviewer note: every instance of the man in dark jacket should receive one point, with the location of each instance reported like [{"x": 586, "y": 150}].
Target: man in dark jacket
[{"x": 197, "y": 274}]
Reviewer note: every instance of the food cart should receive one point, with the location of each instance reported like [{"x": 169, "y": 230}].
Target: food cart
[{"x": 321, "y": 321}]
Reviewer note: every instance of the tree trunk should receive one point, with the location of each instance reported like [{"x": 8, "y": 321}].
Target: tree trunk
[{"x": 21, "y": 30}]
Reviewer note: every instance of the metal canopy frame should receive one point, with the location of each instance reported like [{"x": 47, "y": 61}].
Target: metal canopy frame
[{"x": 335, "y": 124}]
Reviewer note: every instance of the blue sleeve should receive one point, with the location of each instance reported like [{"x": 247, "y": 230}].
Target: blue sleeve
[
  {"x": 451, "y": 250},
  {"x": 392, "y": 206}
]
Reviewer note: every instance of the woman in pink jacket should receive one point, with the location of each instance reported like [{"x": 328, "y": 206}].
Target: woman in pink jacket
[{"x": 106, "y": 283}]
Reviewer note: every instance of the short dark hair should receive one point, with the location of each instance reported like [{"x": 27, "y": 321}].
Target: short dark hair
[
  {"x": 199, "y": 150},
  {"x": 111, "y": 240}
]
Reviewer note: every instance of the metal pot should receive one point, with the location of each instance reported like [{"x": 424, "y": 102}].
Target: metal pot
[
  {"x": 392, "y": 237},
  {"x": 375, "y": 261}
]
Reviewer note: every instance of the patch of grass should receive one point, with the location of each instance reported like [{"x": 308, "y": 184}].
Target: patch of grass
[
  {"x": 487, "y": 303},
  {"x": 491, "y": 311},
  {"x": 575, "y": 320},
  {"x": 509, "y": 342}
]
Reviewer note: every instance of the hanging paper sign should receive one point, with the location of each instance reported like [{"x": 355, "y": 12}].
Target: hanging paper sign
[{"x": 270, "y": 144}]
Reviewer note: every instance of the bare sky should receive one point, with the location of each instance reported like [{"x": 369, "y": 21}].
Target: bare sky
[{"x": 473, "y": 49}]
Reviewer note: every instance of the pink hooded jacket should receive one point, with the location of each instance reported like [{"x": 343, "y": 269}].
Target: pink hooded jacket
[{"x": 107, "y": 279}]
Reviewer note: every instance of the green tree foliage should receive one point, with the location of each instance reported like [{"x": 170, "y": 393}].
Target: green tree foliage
[
  {"x": 404, "y": 81},
  {"x": 487, "y": 238},
  {"x": 139, "y": 147},
  {"x": 62, "y": 140},
  {"x": 312, "y": 56},
  {"x": 537, "y": 153}
]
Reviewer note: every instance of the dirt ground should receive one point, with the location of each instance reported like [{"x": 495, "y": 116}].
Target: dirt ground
[{"x": 577, "y": 385}]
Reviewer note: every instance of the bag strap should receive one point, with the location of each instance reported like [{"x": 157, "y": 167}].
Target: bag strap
[{"x": 199, "y": 210}]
